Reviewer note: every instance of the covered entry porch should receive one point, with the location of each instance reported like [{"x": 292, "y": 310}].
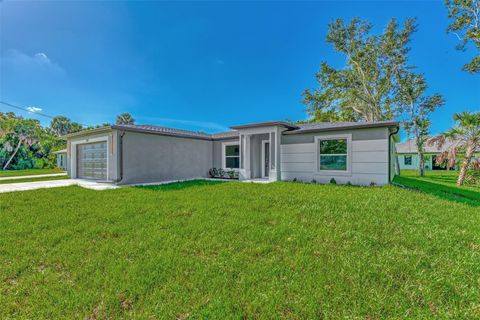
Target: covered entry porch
[{"x": 260, "y": 150}]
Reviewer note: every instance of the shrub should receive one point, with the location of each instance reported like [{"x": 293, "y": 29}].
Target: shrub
[
  {"x": 473, "y": 177},
  {"x": 349, "y": 183},
  {"x": 333, "y": 181},
  {"x": 372, "y": 184},
  {"x": 314, "y": 181}
]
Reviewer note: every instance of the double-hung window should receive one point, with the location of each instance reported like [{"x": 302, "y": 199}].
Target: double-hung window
[
  {"x": 333, "y": 154},
  {"x": 231, "y": 154}
]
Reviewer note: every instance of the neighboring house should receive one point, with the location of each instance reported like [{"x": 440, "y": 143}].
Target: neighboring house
[
  {"x": 61, "y": 159},
  {"x": 408, "y": 157},
  {"x": 357, "y": 152}
]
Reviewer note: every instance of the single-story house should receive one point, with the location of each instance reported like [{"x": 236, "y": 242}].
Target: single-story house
[
  {"x": 61, "y": 158},
  {"x": 359, "y": 153},
  {"x": 408, "y": 156}
]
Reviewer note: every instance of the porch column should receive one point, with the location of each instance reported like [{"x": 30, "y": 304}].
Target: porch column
[
  {"x": 245, "y": 172},
  {"x": 275, "y": 167}
]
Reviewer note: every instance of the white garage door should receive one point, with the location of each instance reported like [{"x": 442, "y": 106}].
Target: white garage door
[{"x": 92, "y": 160}]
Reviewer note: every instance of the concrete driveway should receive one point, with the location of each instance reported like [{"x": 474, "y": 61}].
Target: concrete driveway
[{"x": 24, "y": 186}]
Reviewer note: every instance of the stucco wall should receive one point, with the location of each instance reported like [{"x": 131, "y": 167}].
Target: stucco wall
[
  {"x": 415, "y": 162},
  {"x": 368, "y": 154},
  {"x": 154, "y": 158},
  {"x": 217, "y": 151}
]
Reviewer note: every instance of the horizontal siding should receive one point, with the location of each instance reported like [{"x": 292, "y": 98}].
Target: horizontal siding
[
  {"x": 369, "y": 163},
  {"x": 370, "y": 145},
  {"x": 370, "y": 156},
  {"x": 299, "y": 157},
  {"x": 297, "y": 148},
  {"x": 298, "y": 166}
]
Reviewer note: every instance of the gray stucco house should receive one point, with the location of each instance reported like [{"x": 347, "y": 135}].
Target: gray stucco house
[{"x": 357, "y": 152}]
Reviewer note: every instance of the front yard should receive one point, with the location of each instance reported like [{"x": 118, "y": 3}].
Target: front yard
[{"x": 238, "y": 250}]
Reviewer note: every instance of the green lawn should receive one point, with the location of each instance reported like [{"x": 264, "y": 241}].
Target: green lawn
[
  {"x": 33, "y": 179},
  {"x": 236, "y": 250},
  {"x": 15, "y": 173},
  {"x": 441, "y": 184}
]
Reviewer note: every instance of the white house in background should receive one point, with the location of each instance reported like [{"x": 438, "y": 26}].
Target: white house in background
[
  {"x": 61, "y": 159},
  {"x": 359, "y": 153},
  {"x": 408, "y": 157}
]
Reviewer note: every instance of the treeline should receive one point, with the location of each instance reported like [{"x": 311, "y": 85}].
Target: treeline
[{"x": 26, "y": 144}]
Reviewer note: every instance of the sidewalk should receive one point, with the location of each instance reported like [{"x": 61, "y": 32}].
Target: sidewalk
[
  {"x": 34, "y": 176},
  {"x": 24, "y": 186}
]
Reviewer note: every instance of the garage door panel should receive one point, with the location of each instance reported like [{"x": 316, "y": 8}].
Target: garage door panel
[{"x": 92, "y": 160}]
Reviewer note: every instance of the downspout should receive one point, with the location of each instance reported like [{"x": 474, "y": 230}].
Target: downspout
[
  {"x": 120, "y": 158},
  {"x": 390, "y": 153}
]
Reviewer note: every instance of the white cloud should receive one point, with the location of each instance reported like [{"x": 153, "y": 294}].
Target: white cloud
[
  {"x": 38, "y": 62},
  {"x": 34, "y": 109}
]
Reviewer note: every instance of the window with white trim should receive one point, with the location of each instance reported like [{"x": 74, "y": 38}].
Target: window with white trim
[
  {"x": 232, "y": 156},
  {"x": 333, "y": 154}
]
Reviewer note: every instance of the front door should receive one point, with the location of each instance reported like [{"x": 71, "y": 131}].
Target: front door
[{"x": 266, "y": 159}]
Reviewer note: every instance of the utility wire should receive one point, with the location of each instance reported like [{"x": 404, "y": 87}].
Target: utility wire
[
  {"x": 29, "y": 111},
  {"x": 26, "y": 109}
]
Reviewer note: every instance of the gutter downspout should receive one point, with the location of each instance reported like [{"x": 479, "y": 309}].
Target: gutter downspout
[
  {"x": 120, "y": 158},
  {"x": 390, "y": 153}
]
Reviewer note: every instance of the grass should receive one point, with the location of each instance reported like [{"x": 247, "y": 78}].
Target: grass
[
  {"x": 237, "y": 250},
  {"x": 16, "y": 173},
  {"x": 441, "y": 184},
  {"x": 33, "y": 179}
]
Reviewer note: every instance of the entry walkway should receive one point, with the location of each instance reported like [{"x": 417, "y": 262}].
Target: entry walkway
[{"x": 24, "y": 186}]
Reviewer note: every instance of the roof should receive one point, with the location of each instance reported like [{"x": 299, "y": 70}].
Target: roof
[
  {"x": 265, "y": 124},
  {"x": 332, "y": 126},
  {"x": 410, "y": 146},
  {"x": 292, "y": 129}
]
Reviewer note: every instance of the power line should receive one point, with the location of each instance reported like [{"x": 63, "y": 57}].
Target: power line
[
  {"x": 26, "y": 109},
  {"x": 34, "y": 112}
]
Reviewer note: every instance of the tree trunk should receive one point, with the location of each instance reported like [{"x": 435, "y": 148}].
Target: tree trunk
[
  {"x": 465, "y": 165},
  {"x": 421, "y": 164},
  {"x": 13, "y": 154}
]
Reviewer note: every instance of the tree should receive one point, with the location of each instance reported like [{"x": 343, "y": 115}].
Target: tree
[
  {"x": 364, "y": 88},
  {"x": 125, "y": 118},
  {"x": 466, "y": 26},
  {"x": 464, "y": 138},
  {"x": 416, "y": 107},
  {"x": 62, "y": 125},
  {"x": 25, "y": 132}
]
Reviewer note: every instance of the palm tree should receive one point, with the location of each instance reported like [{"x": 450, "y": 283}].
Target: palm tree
[
  {"x": 125, "y": 118},
  {"x": 61, "y": 125},
  {"x": 464, "y": 138}
]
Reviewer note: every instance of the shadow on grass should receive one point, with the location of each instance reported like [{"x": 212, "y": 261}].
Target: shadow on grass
[
  {"x": 451, "y": 193},
  {"x": 181, "y": 185}
]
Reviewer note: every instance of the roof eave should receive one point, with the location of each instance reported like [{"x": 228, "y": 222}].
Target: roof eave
[
  {"x": 392, "y": 124},
  {"x": 87, "y": 132},
  {"x": 265, "y": 124}
]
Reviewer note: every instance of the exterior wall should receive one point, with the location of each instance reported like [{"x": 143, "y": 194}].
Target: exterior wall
[
  {"x": 110, "y": 137},
  {"x": 62, "y": 160},
  {"x": 155, "y": 158},
  {"x": 415, "y": 162},
  {"x": 368, "y": 153},
  {"x": 217, "y": 151}
]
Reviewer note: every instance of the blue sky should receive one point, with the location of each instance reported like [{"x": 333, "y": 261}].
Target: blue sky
[{"x": 201, "y": 65}]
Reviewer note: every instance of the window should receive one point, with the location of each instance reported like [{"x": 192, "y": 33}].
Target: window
[
  {"x": 231, "y": 156},
  {"x": 407, "y": 160},
  {"x": 333, "y": 154}
]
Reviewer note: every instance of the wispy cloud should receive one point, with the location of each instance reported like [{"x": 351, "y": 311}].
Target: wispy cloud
[
  {"x": 34, "y": 109},
  {"x": 38, "y": 62},
  {"x": 211, "y": 126}
]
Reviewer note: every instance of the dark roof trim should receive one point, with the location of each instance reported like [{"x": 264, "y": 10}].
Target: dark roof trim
[
  {"x": 192, "y": 135},
  {"x": 347, "y": 127},
  {"x": 265, "y": 124}
]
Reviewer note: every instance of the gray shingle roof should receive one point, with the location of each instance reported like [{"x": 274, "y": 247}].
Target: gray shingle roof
[
  {"x": 409, "y": 146},
  {"x": 292, "y": 129}
]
